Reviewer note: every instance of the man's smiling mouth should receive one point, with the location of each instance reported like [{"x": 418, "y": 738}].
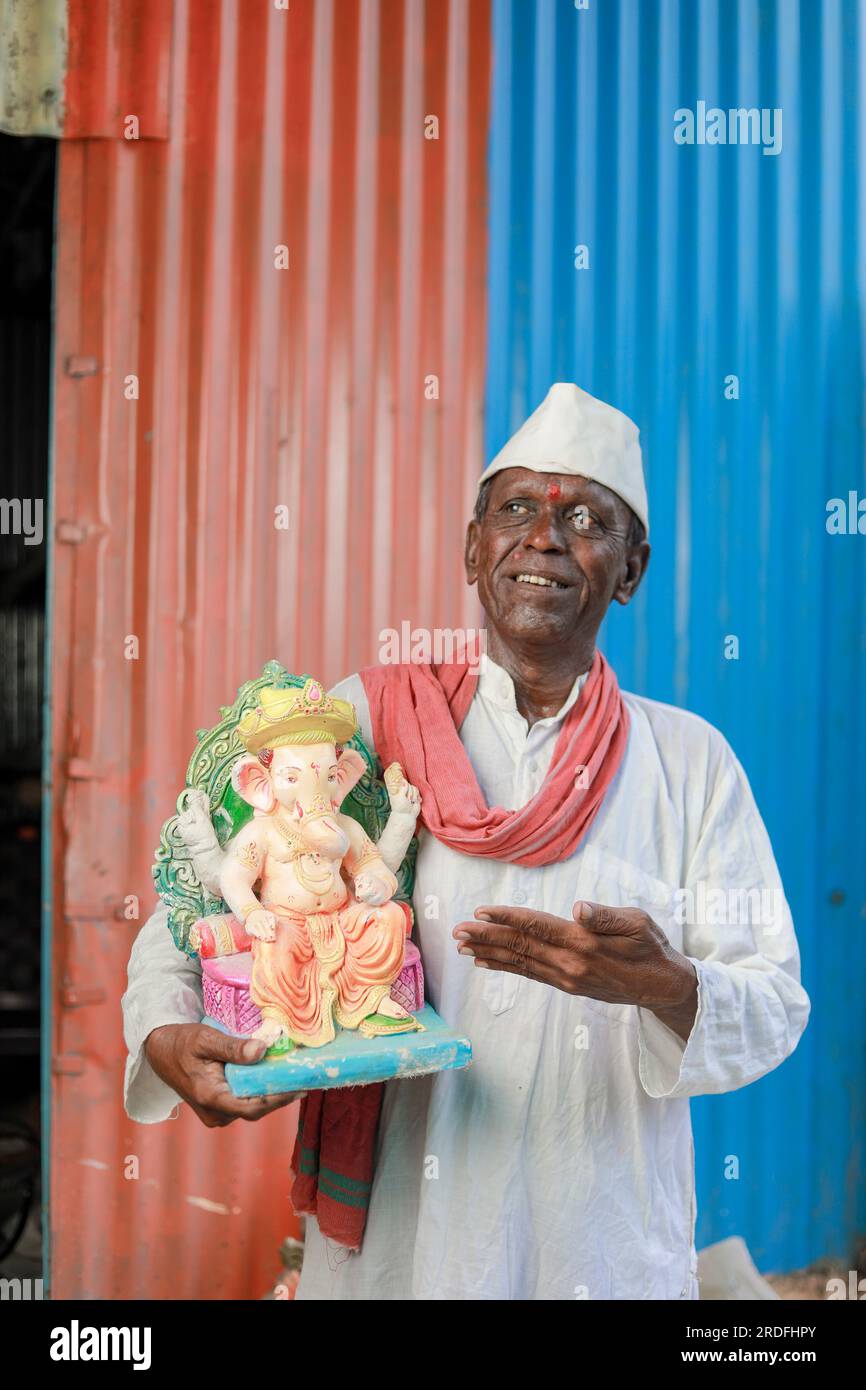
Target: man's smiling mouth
[{"x": 540, "y": 581}]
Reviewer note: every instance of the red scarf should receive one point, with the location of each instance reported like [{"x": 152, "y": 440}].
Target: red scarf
[{"x": 417, "y": 711}]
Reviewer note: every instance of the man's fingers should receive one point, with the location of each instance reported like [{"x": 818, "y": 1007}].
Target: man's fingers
[
  {"x": 212, "y": 1119},
  {"x": 529, "y": 969},
  {"x": 220, "y": 1101},
  {"x": 213, "y": 1046},
  {"x": 511, "y": 943},
  {"x": 568, "y": 972},
  {"x": 543, "y": 926},
  {"x": 209, "y": 1093},
  {"x": 253, "y": 1107}
]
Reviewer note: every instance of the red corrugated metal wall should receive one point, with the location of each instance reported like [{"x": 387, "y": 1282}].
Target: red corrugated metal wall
[{"x": 258, "y": 388}]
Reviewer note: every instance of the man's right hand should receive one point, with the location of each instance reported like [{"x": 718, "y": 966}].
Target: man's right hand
[{"x": 191, "y": 1058}]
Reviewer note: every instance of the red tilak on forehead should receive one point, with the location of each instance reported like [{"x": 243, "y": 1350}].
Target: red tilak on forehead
[{"x": 554, "y": 491}]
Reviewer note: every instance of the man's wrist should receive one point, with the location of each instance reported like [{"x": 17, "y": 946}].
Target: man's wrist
[{"x": 680, "y": 1014}]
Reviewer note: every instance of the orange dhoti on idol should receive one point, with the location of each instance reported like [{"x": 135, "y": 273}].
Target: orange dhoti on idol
[{"x": 328, "y": 968}]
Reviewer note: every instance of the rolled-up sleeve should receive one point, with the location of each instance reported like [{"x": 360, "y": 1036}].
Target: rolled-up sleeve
[
  {"x": 164, "y": 986},
  {"x": 739, "y": 935}
]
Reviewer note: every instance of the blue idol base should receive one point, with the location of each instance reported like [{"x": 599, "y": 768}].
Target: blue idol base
[{"x": 353, "y": 1060}]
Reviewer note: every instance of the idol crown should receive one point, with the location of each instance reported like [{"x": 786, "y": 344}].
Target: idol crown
[{"x": 284, "y": 716}]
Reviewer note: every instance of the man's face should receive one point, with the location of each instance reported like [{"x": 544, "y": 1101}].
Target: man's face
[{"x": 550, "y": 554}]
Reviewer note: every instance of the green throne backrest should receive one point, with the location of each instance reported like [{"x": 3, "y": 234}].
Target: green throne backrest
[{"x": 209, "y": 771}]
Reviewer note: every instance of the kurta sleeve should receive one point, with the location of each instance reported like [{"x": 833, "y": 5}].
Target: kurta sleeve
[
  {"x": 738, "y": 933},
  {"x": 164, "y": 986}
]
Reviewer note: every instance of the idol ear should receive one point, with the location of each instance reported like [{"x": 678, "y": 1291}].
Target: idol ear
[
  {"x": 253, "y": 782},
  {"x": 350, "y": 769}
]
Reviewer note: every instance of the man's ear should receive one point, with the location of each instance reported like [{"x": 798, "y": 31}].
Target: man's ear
[
  {"x": 253, "y": 782},
  {"x": 634, "y": 569},
  {"x": 470, "y": 553}
]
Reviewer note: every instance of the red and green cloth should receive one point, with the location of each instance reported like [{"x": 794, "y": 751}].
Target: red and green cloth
[{"x": 333, "y": 1159}]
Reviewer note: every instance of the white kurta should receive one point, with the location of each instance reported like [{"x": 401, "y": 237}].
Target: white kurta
[{"x": 560, "y": 1165}]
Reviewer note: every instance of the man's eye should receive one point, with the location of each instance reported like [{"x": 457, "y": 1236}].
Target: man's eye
[
  {"x": 580, "y": 519},
  {"x": 514, "y": 507}
]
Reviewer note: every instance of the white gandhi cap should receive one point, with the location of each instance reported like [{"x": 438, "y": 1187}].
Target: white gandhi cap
[{"x": 573, "y": 432}]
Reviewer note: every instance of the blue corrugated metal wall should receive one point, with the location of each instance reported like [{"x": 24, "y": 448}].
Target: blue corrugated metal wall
[{"x": 707, "y": 261}]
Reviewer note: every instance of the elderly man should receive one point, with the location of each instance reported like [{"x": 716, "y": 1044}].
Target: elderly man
[{"x": 569, "y": 938}]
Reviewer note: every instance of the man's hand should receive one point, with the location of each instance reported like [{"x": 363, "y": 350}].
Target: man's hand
[
  {"x": 191, "y": 1058},
  {"x": 616, "y": 954}
]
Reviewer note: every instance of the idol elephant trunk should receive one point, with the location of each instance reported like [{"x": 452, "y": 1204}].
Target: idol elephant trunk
[{"x": 322, "y": 835}]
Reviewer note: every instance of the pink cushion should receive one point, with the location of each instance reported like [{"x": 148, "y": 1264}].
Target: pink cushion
[
  {"x": 232, "y": 970},
  {"x": 226, "y": 988}
]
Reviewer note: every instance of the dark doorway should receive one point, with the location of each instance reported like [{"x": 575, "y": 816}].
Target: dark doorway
[{"x": 27, "y": 184}]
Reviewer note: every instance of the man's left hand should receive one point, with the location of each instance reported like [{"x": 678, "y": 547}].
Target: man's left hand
[{"x": 616, "y": 954}]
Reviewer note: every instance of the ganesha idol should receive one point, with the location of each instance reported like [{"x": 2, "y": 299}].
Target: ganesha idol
[
  {"x": 288, "y": 869},
  {"x": 322, "y": 954}
]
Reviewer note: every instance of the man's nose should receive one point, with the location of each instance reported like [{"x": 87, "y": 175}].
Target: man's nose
[{"x": 545, "y": 534}]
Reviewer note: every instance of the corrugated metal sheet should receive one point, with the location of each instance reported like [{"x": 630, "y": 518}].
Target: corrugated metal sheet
[
  {"x": 118, "y": 66},
  {"x": 258, "y": 388},
  {"x": 707, "y": 261}
]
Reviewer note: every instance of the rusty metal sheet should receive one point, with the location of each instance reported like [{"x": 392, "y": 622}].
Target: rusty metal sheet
[
  {"x": 257, "y": 388},
  {"x": 118, "y": 69}
]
